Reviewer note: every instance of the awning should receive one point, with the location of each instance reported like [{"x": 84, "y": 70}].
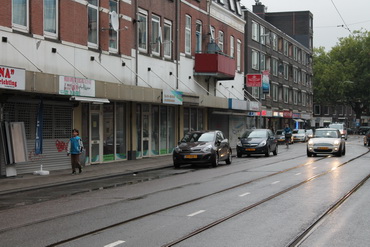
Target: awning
[
  {"x": 299, "y": 120},
  {"x": 88, "y": 99}
]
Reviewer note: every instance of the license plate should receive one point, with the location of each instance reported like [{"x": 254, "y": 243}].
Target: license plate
[
  {"x": 191, "y": 156},
  {"x": 250, "y": 149},
  {"x": 323, "y": 148}
]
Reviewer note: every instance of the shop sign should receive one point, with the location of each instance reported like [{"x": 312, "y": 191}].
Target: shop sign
[
  {"x": 268, "y": 113},
  {"x": 69, "y": 85},
  {"x": 12, "y": 78},
  {"x": 237, "y": 104},
  {"x": 296, "y": 115},
  {"x": 172, "y": 97},
  {"x": 254, "y": 106},
  {"x": 288, "y": 114},
  {"x": 254, "y": 80}
]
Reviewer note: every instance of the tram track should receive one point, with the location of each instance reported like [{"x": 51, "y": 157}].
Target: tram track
[{"x": 221, "y": 220}]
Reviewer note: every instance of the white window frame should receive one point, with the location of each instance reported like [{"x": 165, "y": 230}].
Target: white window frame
[
  {"x": 286, "y": 94},
  {"x": 274, "y": 66},
  {"x": 213, "y": 35},
  {"x": 295, "y": 75},
  {"x": 198, "y": 36},
  {"x": 304, "y": 98},
  {"x": 143, "y": 30},
  {"x": 286, "y": 71},
  {"x": 295, "y": 96},
  {"x": 274, "y": 39},
  {"x": 221, "y": 40},
  {"x": 232, "y": 48},
  {"x": 232, "y": 5},
  {"x": 238, "y": 54},
  {"x": 262, "y": 59},
  {"x": 113, "y": 35},
  {"x": 275, "y": 92},
  {"x": 255, "y": 31},
  {"x": 167, "y": 39},
  {"x": 19, "y": 26},
  {"x": 317, "y": 110},
  {"x": 238, "y": 8},
  {"x": 155, "y": 38},
  {"x": 255, "y": 60},
  {"x": 262, "y": 35},
  {"x": 47, "y": 33},
  {"x": 187, "y": 34},
  {"x": 96, "y": 8},
  {"x": 286, "y": 47}
]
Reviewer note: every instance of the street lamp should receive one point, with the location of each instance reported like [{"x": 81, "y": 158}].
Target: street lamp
[{"x": 262, "y": 36}]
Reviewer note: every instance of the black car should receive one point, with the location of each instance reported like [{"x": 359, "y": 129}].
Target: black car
[
  {"x": 257, "y": 141},
  {"x": 201, "y": 147}
]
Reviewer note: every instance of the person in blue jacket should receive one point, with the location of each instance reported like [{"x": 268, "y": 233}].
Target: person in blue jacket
[{"x": 75, "y": 148}]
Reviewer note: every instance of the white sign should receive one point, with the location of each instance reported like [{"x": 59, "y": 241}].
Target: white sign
[
  {"x": 76, "y": 86},
  {"x": 237, "y": 104},
  {"x": 11, "y": 78},
  {"x": 172, "y": 97}
]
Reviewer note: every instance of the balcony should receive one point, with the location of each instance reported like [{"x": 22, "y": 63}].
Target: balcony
[{"x": 216, "y": 65}]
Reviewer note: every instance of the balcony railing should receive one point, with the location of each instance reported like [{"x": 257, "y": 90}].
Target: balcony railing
[{"x": 216, "y": 65}]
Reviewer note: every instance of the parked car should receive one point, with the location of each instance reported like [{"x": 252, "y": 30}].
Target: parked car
[
  {"x": 341, "y": 127},
  {"x": 363, "y": 129},
  {"x": 201, "y": 147},
  {"x": 280, "y": 137},
  {"x": 309, "y": 133},
  {"x": 367, "y": 139},
  {"x": 326, "y": 141},
  {"x": 257, "y": 141},
  {"x": 299, "y": 135}
]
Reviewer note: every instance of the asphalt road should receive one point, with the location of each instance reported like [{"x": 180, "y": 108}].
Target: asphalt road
[{"x": 277, "y": 198}]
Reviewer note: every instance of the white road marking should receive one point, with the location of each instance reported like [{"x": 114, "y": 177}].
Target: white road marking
[
  {"x": 199, "y": 212},
  {"x": 276, "y": 182},
  {"x": 244, "y": 194},
  {"x": 115, "y": 243},
  {"x": 298, "y": 173}
]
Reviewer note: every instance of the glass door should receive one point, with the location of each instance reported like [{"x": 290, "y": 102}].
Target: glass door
[
  {"x": 146, "y": 131},
  {"x": 96, "y": 135}
]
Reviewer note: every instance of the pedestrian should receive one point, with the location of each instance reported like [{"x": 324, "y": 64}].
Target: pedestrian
[{"x": 75, "y": 148}]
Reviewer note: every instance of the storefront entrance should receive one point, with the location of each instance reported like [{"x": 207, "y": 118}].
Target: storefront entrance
[{"x": 96, "y": 134}]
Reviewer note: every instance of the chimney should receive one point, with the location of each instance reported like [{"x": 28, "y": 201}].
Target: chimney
[{"x": 259, "y": 9}]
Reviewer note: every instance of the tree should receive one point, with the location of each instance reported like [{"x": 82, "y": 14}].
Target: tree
[{"x": 342, "y": 75}]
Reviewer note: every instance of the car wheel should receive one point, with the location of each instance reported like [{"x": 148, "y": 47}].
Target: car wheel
[
  {"x": 309, "y": 154},
  {"x": 344, "y": 150},
  {"x": 176, "y": 165},
  {"x": 229, "y": 158},
  {"x": 216, "y": 160},
  {"x": 339, "y": 153},
  {"x": 267, "y": 154},
  {"x": 276, "y": 150}
]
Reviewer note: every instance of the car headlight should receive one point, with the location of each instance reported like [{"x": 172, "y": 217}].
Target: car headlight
[
  {"x": 262, "y": 143},
  {"x": 310, "y": 143},
  {"x": 337, "y": 142},
  {"x": 239, "y": 144},
  {"x": 207, "y": 149},
  {"x": 177, "y": 150}
]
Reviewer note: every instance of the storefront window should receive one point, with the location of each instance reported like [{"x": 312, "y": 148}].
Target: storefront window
[
  {"x": 121, "y": 150},
  {"x": 171, "y": 129},
  {"x": 163, "y": 126},
  {"x": 138, "y": 130},
  {"x": 108, "y": 132},
  {"x": 155, "y": 130},
  {"x": 186, "y": 120}
]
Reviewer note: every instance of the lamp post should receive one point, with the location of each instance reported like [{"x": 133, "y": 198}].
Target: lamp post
[{"x": 262, "y": 36}]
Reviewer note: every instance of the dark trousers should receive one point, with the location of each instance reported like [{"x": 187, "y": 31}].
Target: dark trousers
[{"x": 75, "y": 161}]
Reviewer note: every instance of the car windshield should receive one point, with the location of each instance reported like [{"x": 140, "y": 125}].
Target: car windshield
[
  {"x": 279, "y": 132},
  {"x": 326, "y": 134},
  {"x": 199, "y": 137},
  {"x": 309, "y": 132},
  {"x": 336, "y": 126},
  {"x": 298, "y": 131},
  {"x": 255, "y": 133}
]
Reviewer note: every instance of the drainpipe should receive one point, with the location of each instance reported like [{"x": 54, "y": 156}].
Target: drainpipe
[
  {"x": 177, "y": 43},
  {"x": 137, "y": 43}
]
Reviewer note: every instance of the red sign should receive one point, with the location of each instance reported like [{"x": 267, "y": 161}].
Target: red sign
[
  {"x": 287, "y": 114},
  {"x": 254, "y": 80}
]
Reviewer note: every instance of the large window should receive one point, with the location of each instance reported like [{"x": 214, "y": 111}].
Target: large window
[
  {"x": 232, "y": 46},
  {"x": 255, "y": 31},
  {"x": 274, "y": 66},
  {"x": 187, "y": 34},
  {"x": 50, "y": 17},
  {"x": 286, "y": 94},
  {"x": 232, "y": 5},
  {"x": 238, "y": 54},
  {"x": 286, "y": 71},
  {"x": 113, "y": 35},
  {"x": 20, "y": 9},
  {"x": 167, "y": 39},
  {"x": 295, "y": 96},
  {"x": 156, "y": 35},
  {"x": 198, "y": 36},
  {"x": 143, "y": 31},
  {"x": 275, "y": 92},
  {"x": 93, "y": 22},
  {"x": 221, "y": 40},
  {"x": 274, "y": 40},
  {"x": 255, "y": 59}
]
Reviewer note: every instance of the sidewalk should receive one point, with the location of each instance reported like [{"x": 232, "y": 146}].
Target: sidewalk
[{"x": 29, "y": 181}]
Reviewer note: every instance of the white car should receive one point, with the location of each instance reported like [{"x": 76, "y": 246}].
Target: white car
[
  {"x": 326, "y": 141},
  {"x": 299, "y": 135}
]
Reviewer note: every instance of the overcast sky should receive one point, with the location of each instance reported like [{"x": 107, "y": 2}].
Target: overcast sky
[{"x": 326, "y": 16}]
